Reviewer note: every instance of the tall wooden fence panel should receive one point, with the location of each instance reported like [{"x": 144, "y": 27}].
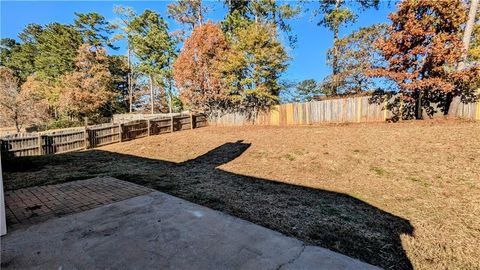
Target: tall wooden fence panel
[
  {"x": 74, "y": 139},
  {"x": 354, "y": 109}
]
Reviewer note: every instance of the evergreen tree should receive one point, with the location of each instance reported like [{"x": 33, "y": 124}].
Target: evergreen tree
[
  {"x": 240, "y": 13},
  {"x": 20, "y": 57},
  {"x": 94, "y": 29},
  {"x": 333, "y": 14},
  {"x": 57, "y": 49},
  {"x": 253, "y": 67},
  {"x": 155, "y": 49},
  {"x": 123, "y": 25},
  {"x": 189, "y": 12},
  {"x": 357, "y": 54}
]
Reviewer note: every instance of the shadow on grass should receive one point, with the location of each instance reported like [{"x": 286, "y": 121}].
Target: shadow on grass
[{"x": 329, "y": 219}]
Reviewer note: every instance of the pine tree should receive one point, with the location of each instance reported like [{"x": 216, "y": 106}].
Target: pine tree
[
  {"x": 94, "y": 29},
  {"x": 253, "y": 67},
  {"x": 189, "y": 12},
  {"x": 357, "y": 54},
  {"x": 334, "y": 14},
  {"x": 57, "y": 49},
  {"x": 155, "y": 49}
]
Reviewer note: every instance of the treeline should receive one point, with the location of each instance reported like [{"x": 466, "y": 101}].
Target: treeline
[{"x": 61, "y": 73}]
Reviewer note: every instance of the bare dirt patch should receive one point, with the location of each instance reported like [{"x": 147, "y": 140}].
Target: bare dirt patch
[{"x": 399, "y": 196}]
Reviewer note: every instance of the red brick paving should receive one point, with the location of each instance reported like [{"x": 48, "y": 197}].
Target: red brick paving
[{"x": 36, "y": 204}]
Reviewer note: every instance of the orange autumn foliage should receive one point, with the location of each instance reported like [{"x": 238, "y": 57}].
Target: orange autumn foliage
[
  {"x": 423, "y": 47},
  {"x": 197, "y": 69},
  {"x": 87, "y": 88}
]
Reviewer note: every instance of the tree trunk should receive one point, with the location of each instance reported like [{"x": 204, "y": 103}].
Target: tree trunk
[
  {"x": 129, "y": 79},
  {"x": 451, "y": 103},
  {"x": 274, "y": 17},
  {"x": 151, "y": 93},
  {"x": 467, "y": 34},
  {"x": 335, "y": 52},
  {"x": 335, "y": 61},
  {"x": 200, "y": 15},
  {"x": 418, "y": 106},
  {"x": 17, "y": 124}
]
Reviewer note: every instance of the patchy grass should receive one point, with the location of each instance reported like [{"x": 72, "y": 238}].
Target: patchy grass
[
  {"x": 378, "y": 170},
  {"x": 317, "y": 183}
]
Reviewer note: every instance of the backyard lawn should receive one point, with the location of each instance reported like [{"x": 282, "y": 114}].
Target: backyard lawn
[{"x": 400, "y": 196}]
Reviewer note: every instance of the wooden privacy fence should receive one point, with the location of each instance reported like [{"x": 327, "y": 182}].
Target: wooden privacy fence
[
  {"x": 32, "y": 144},
  {"x": 353, "y": 109}
]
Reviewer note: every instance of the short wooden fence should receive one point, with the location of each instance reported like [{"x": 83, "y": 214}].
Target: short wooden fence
[{"x": 45, "y": 143}]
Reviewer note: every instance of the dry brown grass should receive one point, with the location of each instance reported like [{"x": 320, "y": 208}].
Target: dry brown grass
[{"x": 415, "y": 183}]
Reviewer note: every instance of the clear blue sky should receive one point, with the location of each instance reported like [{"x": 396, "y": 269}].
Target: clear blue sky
[{"x": 308, "y": 57}]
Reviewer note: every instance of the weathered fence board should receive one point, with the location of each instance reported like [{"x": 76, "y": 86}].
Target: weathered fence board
[{"x": 74, "y": 139}]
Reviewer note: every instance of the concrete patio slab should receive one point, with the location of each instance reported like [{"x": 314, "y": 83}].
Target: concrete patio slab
[{"x": 159, "y": 231}]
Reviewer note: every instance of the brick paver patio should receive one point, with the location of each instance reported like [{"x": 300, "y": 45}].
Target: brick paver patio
[{"x": 36, "y": 204}]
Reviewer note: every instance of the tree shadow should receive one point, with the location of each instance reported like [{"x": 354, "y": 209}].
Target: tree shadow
[{"x": 328, "y": 219}]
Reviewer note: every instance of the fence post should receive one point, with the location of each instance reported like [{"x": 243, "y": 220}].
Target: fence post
[
  {"x": 40, "y": 145},
  {"x": 85, "y": 136},
  {"x": 191, "y": 120},
  {"x": 171, "y": 123},
  {"x": 48, "y": 144},
  {"x": 120, "y": 133},
  {"x": 148, "y": 127},
  {"x": 385, "y": 108},
  {"x": 359, "y": 109}
]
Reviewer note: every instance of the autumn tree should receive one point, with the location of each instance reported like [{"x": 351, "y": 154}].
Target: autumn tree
[
  {"x": 197, "y": 69},
  {"x": 422, "y": 48},
  {"x": 357, "y": 53},
  {"x": 474, "y": 50},
  {"x": 334, "y": 14},
  {"x": 87, "y": 89},
  {"x": 18, "y": 106},
  {"x": 155, "y": 50},
  {"x": 253, "y": 67}
]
